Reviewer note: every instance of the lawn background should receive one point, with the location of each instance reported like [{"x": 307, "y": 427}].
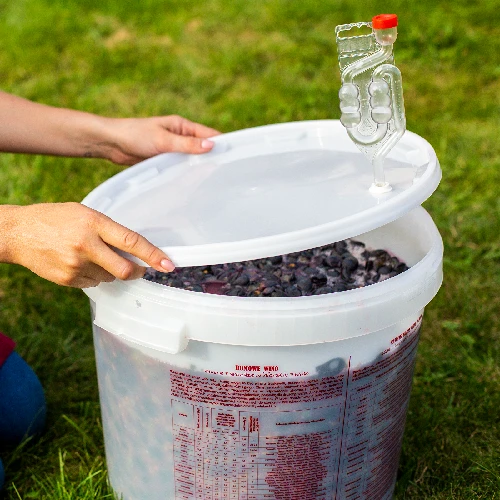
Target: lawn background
[{"x": 240, "y": 63}]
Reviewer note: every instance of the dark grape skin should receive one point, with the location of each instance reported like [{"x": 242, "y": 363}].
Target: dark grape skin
[{"x": 338, "y": 267}]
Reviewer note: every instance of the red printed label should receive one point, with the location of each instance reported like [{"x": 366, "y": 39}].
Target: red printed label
[{"x": 314, "y": 438}]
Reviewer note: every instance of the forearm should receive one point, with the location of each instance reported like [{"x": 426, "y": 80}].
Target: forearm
[
  {"x": 29, "y": 127},
  {"x": 8, "y": 215}
]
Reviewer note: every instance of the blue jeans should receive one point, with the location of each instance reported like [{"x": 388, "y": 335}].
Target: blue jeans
[{"x": 22, "y": 403}]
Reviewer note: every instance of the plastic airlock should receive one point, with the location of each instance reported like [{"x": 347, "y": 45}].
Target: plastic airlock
[{"x": 371, "y": 96}]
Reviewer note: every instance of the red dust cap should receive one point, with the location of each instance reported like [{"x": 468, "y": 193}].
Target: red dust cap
[{"x": 384, "y": 21}]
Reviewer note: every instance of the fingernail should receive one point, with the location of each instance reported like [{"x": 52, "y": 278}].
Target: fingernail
[
  {"x": 167, "y": 265},
  {"x": 207, "y": 144}
]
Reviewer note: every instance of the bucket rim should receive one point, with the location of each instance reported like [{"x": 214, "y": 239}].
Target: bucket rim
[
  {"x": 158, "y": 293},
  {"x": 156, "y": 317}
]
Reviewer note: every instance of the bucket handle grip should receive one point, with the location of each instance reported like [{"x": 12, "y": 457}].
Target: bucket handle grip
[{"x": 168, "y": 337}]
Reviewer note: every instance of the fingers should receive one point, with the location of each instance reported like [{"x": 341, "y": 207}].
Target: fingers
[
  {"x": 187, "y": 144},
  {"x": 83, "y": 283},
  {"x": 185, "y": 136},
  {"x": 130, "y": 160},
  {"x": 198, "y": 130},
  {"x": 90, "y": 281},
  {"x": 114, "y": 265},
  {"x": 116, "y": 235},
  {"x": 88, "y": 276},
  {"x": 98, "y": 273},
  {"x": 183, "y": 126}
]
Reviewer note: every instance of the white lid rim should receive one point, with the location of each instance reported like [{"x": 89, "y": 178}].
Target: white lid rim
[
  {"x": 202, "y": 255},
  {"x": 349, "y": 226}
]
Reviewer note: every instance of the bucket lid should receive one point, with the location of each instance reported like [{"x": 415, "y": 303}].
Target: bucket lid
[{"x": 265, "y": 191}]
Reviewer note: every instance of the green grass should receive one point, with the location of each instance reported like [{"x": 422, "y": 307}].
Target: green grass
[{"x": 240, "y": 64}]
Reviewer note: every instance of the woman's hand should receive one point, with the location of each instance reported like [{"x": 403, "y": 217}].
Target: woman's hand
[
  {"x": 72, "y": 245},
  {"x": 131, "y": 140},
  {"x": 30, "y": 127}
]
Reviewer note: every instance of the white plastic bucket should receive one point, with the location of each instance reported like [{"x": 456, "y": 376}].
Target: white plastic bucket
[{"x": 263, "y": 398}]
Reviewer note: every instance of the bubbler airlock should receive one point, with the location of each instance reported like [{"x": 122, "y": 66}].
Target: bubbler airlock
[{"x": 371, "y": 96}]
